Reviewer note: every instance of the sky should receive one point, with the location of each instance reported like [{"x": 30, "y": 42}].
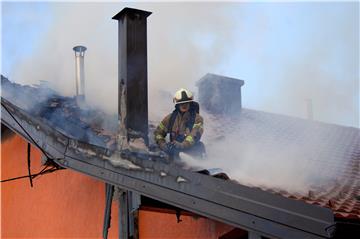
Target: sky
[{"x": 286, "y": 52}]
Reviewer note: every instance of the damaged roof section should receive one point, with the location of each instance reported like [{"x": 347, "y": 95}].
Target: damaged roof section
[
  {"x": 336, "y": 156},
  {"x": 63, "y": 113}
]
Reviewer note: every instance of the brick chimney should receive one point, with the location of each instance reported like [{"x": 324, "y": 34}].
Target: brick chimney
[{"x": 220, "y": 94}]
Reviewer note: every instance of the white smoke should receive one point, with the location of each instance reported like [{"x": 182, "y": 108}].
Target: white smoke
[
  {"x": 275, "y": 152},
  {"x": 176, "y": 58},
  {"x": 241, "y": 40},
  {"x": 314, "y": 57}
]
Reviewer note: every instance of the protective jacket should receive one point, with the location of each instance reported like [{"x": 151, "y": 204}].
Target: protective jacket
[{"x": 186, "y": 129}]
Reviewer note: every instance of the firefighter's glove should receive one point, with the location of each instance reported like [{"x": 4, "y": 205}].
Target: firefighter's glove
[
  {"x": 169, "y": 148},
  {"x": 178, "y": 145},
  {"x": 162, "y": 145}
]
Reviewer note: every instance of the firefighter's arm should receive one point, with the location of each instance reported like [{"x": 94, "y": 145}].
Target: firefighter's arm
[
  {"x": 161, "y": 131},
  {"x": 195, "y": 133}
]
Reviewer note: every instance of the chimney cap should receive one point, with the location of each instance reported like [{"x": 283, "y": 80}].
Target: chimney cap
[
  {"x": 131, "y": 11},
  {"x": 79, "y": 48}
]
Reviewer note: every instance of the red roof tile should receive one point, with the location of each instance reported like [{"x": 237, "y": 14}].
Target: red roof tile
[{"x": 338, "y": 144}]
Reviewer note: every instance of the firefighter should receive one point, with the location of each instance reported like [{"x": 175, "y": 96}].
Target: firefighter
[{"x": 184, "y": 126}]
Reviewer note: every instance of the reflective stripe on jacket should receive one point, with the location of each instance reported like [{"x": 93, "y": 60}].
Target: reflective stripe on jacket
[{"x": 179, "y": 129}]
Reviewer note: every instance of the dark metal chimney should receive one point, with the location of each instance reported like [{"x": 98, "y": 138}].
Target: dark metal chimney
[{"x": 132, "y": 73}]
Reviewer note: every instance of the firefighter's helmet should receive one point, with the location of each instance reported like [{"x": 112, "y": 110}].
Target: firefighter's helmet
[{"x": 183, "y": 96}]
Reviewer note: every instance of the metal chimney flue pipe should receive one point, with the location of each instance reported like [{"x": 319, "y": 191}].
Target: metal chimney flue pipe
[
  {"x": 79, "y": 72},
  {"x": 132, "y": 75}
]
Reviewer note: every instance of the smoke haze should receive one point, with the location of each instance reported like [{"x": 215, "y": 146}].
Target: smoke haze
[
  {"x": 285, "y": 52},
  {"x": 284, "y": 55},
  {"x": 273, "y": 151}
]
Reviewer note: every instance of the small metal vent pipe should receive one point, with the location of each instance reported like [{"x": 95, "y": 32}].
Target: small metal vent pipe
[{"x": 79, "y": 71}]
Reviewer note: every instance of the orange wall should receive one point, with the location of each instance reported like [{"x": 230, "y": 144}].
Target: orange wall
[
  {"x": 61, "y": 204},
  {"x": 164, "y": 226},
  {"x": 69, "y": 204}
]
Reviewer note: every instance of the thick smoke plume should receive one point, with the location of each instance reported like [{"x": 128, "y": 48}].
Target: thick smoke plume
[
  {"x": 283, "y": 57},
  {"x": 273, "y": 151},
  {"x": 178, "y": 54}
]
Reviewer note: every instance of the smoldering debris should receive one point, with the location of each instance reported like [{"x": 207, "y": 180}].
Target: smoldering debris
[
  {"x": 84, "y": 123},
  {"x": 25, "y": 96}
]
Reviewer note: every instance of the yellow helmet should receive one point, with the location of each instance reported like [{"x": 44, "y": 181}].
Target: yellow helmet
[{"x": 183, "y": 96}]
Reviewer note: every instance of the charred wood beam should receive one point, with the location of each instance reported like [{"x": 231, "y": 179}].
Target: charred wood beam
[
  {"x": 123, "y": 215},
  {"x": 134, "y": 201},
  {"x": 109, "y": 192},
  {"x": 29, "y": 163}
]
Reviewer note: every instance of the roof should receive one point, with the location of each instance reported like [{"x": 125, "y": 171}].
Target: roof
[
  {"x": 308, "y": 144},
  {"x": 63, "y": 113},
  {"x": 341, "y": 196},
  {"x": 328, "y": 153}
]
